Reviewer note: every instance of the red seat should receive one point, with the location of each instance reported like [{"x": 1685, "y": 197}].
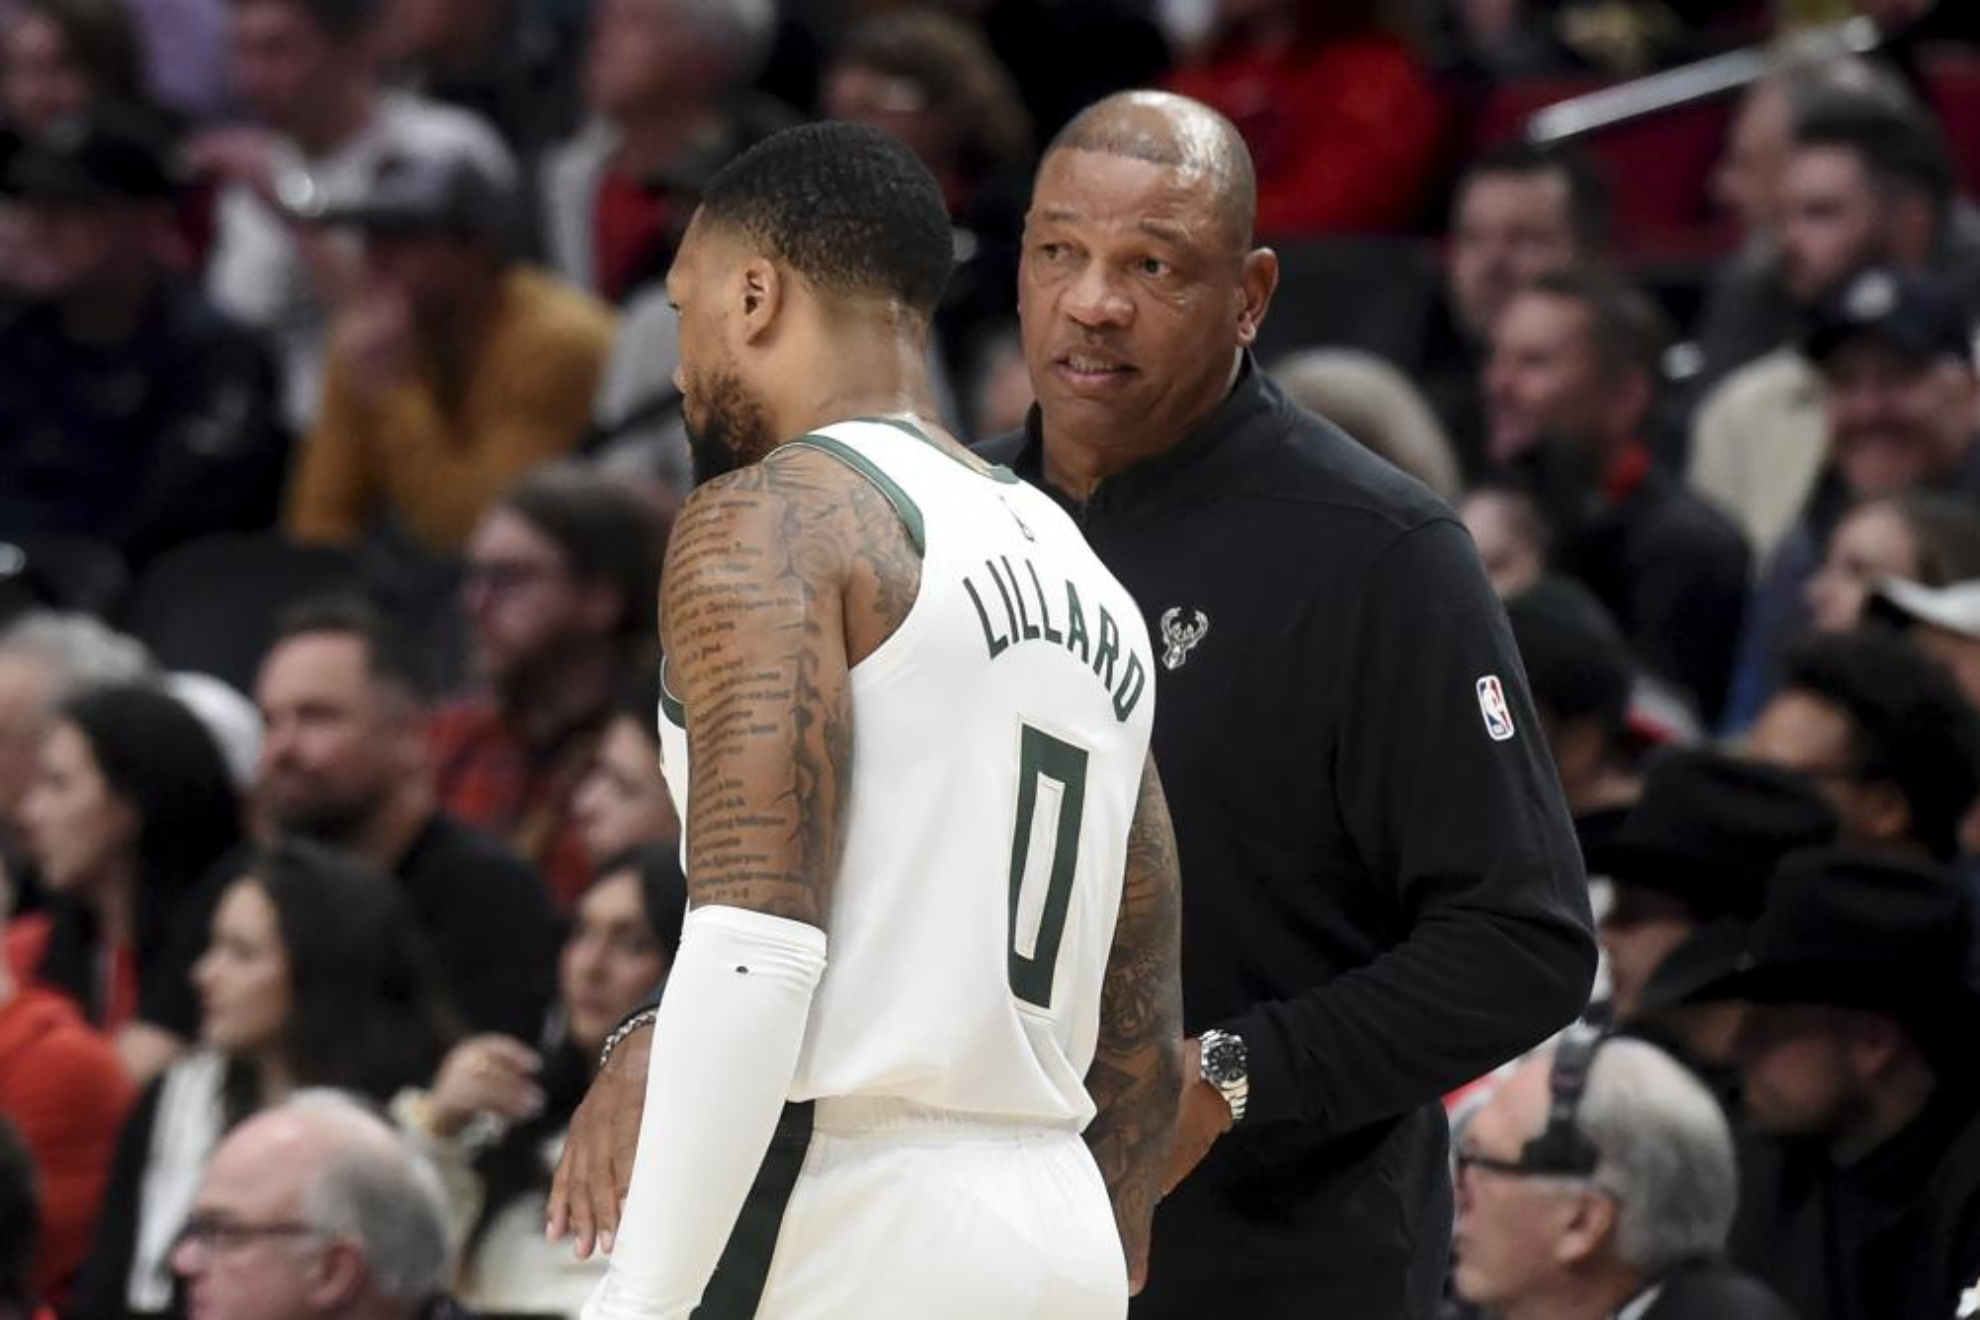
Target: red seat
[{"x": 1658, "y": 168}]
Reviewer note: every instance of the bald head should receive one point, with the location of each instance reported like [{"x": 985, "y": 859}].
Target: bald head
[{"x": 1200, "y": 145}]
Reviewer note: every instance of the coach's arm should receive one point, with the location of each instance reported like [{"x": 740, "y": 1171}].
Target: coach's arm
[{"x": 1449, "y": 796}]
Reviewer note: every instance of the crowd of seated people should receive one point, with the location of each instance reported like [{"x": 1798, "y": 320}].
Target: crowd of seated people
[{"x": 364, "y": 298}]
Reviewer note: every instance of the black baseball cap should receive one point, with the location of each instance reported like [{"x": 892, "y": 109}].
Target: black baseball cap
[
  {"x": 107, "y": 153},
  {"x": 1897, "y": 309},
  {"x": 451, "y": 192}
]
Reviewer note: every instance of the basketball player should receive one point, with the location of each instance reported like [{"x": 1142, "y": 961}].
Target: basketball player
[{"x": 906, "y": 722}]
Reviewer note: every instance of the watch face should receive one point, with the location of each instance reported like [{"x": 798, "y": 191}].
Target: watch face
[{"x": 1225, "y": 1061}]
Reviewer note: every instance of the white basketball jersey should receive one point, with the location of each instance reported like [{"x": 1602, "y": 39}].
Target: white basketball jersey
[{"x": 998, "y": 743}]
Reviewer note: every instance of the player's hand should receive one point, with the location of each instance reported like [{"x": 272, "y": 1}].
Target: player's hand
[
  {"x": 1202, "y": 1117},
  {"x": 596, "y": 1167}
]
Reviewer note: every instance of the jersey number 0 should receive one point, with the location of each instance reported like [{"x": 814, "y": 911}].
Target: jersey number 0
[{"x": 1044, "y": 847}]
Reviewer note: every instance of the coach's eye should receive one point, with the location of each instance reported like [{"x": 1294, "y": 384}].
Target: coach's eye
[{"x": 1154, "y": 266}]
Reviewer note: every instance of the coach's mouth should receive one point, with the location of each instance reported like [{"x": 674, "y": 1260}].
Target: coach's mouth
[{"x": 1087, "y": 370}]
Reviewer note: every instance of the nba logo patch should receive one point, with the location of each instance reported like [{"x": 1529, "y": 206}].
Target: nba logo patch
[{"x": 1492, "y": 705}]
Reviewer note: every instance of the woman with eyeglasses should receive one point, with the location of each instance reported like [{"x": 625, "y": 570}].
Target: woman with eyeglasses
[
  {"x": 314, "y": 976},
  {"x": 495, "y": 1119}
]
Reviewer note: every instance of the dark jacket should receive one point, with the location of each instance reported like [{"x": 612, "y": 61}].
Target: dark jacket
[
  {"x": 1382, "y": 892},
  {"x": 142, "y": 445},
  {"x": 1895, "y": 1234},
  {"x": 1714, "y": 1292},
  {"x": 1670, "y": 569},
  {"x": 489, "y": 921}
]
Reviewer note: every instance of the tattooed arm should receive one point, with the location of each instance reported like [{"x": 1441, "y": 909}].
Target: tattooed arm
[
  {"x": 1136, "y": 1077},
  {"x": 752, "y": 622},
  {"x": 768, "y": 601}
]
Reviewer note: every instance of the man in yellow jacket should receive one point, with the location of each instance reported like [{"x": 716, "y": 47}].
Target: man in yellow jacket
[{"x": 453, "y": 369}]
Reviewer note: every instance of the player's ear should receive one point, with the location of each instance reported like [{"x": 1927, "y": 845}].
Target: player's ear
[{"x": 763, "y": 292}]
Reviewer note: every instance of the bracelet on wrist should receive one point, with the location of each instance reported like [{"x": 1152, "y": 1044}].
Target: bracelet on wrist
[{"x": 644, "y": 1018}]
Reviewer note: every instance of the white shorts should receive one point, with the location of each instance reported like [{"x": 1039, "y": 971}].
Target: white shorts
[{"x": 898, "y": 1212}]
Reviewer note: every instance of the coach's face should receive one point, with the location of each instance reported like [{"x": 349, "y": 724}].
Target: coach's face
[
  {"x": 717, "y": 287},
  {"x": 1135, "y": 297}
]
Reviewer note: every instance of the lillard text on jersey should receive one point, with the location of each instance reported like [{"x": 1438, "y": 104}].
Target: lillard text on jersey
[{"x": 1022, "y": 610}]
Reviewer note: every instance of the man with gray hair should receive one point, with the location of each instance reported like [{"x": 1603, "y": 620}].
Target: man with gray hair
[
  {"x": 1599, "y": 1182},
  {"x": 315, "y": 1208}
]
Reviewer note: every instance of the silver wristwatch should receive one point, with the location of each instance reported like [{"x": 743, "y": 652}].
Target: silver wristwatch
[{"x": 1223, "y": 1064}]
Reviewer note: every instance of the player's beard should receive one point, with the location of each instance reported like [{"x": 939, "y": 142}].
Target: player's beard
[{"x": 732, "y": 429}]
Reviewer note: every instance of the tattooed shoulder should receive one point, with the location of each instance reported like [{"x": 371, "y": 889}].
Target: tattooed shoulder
[
  {"x": 779, "y": 577},
  {"x": 860, "y": 528}
]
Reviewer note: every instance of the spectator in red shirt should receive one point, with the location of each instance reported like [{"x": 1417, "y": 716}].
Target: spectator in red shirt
[
  {"x": 64, "y": 1092},
  {"x": 561, "y": 579},
  {"x": 1341, "y": 119}
]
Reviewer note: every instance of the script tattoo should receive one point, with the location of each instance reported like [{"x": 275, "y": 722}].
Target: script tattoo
[
  {"x": 1136, "y": 1076},
  {"x": 779, "y": 578}
]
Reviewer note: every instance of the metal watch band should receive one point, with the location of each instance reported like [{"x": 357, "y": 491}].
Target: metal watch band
[{"x": 1235, "y": 1090}]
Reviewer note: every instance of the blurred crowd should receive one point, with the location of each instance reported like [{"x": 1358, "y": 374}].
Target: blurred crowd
[{"x": 339, "y": 441}]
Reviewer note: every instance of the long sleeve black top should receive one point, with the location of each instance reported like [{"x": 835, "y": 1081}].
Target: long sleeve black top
[{"x": 1382, "y": 890}]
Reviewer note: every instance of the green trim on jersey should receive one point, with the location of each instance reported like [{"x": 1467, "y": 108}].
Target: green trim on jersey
[
  {"x": 671, "y": 706},
  {"x": 903, "y": 503},
  {"x": 995, "y": 471}
]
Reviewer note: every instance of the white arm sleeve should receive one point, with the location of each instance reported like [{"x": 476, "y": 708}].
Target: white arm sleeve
[{"x": 725, "y": 1046}]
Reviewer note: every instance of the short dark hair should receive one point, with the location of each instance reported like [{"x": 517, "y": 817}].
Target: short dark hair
[
  {"x": 1627, "y": 330},
  {"x": 1899, "y": 147},
  {"x": 341, "y": 19},
  {"x": 606, "y": 533},
  {"x": 1577, "y": 664},
  {"x": 1910, "y": 726},
  {"x": 387, "y": 654},
  {"x": 849, "y": 207},
  {"x": 1587, "y": 188}
]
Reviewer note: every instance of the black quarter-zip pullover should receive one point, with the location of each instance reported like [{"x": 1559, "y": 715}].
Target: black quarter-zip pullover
[{"x": 1382, "y": 891}]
